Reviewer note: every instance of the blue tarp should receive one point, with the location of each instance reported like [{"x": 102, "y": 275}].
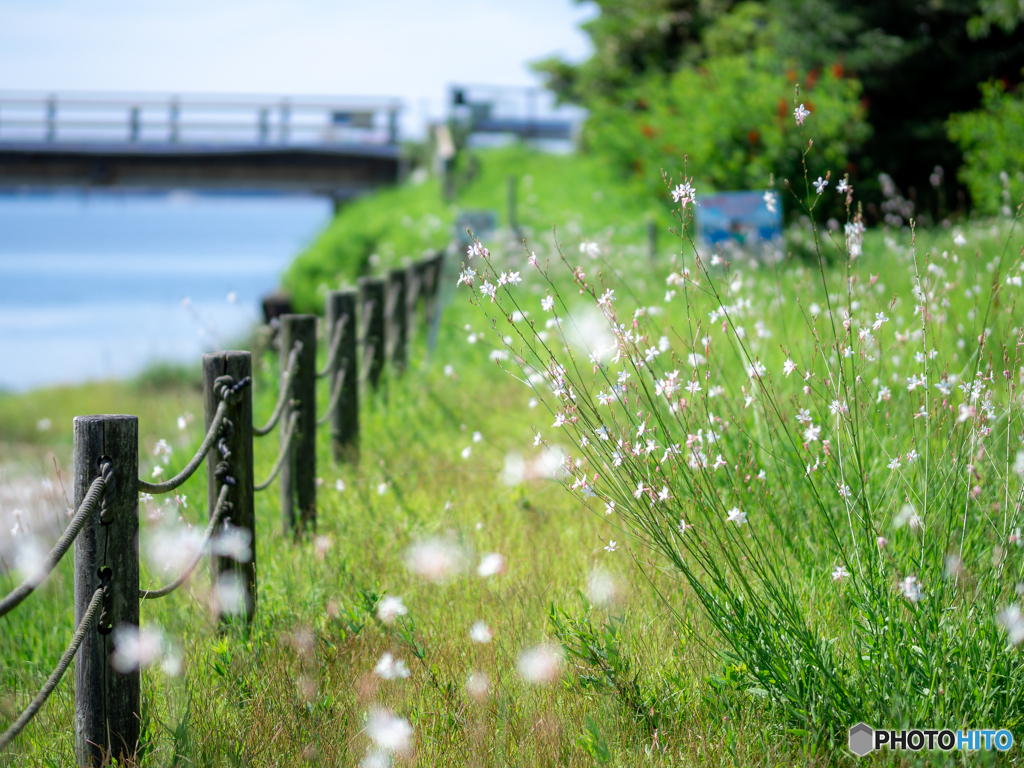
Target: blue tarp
[{"x": 739, "y": 217}]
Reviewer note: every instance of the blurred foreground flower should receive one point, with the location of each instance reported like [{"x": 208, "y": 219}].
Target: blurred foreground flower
[
  {"x": 478, "y": 686},
  {"x": 480, "y": 633},
  {"x": 435, "y": 560},
  {"x": 389, "y": 732},
  {"x": 390, "y": 608},
  {"x": 135, "y": 648},
  {"x": 491, "y": 564},
  {"x": 540, "y": 664},
  {"x": 391, "y": 668}
]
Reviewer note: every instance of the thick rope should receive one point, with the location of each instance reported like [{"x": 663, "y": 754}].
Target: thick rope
[
  {"x": 286, "y": 388},
  {"x": 337, "y": 334},
  {"x": 218, "y": 512},
  {"x": 87, "y": 621},
  {"x": 335, "y": 398},
  {"x": 193, "y": 465},
  {"x": 23, "y": 590},
  {"x": 285, "y": 452}
]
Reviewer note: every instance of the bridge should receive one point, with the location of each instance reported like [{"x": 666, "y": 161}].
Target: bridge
[{"x": 332, "y": 146}]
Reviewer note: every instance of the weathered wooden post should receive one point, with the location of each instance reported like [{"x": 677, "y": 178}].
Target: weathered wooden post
[
  {"x": 429, "y": 287},
  {"x": 107, "y": 710},
  {"x": 298, "y": 472},
  {"x": 413, "y": 289},
  {"x": 341, "y": 308},
  {"x": 397, "y": 330},
  {"x": 372, "y": 292},
  {"x": 232, "y": 457}
]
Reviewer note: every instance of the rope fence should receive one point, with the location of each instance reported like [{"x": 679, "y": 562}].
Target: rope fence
[{"x": 378, "y": 319}]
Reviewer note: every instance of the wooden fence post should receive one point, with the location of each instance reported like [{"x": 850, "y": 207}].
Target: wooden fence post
[
  {"x": 413, "y": 291},
  {"x": 233, "y": 448},
  {"x": 107, "y": 711},
  {"x": 341, "y": 306},
  {"x": 430, "y": 284},
  {"x": 298, "y": 473},
  {"x": 372, "y": 292},
  {"x": 397, "y": 330}
]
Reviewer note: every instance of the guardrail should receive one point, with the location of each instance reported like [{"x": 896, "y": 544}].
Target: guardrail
[
  {"x": 378, "y": 318},
  {"x": 196, "y": 119}
]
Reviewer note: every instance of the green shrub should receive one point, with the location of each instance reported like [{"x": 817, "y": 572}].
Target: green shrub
[
  {"x": 731, "y": 121},
  {"x": 992, "y": 140}
]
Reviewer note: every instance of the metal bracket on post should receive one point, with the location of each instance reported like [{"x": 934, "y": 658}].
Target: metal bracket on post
[
  {"x": 107, "y": 702},
  {"x": 298, "y": 472},
  {"x": 234, "y": 447}
]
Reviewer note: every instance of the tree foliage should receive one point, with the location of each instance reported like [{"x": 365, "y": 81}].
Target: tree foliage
[{"x": 917, "y": 62}]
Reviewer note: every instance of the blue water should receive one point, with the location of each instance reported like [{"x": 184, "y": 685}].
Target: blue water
[{"x": 99, "y": 286}]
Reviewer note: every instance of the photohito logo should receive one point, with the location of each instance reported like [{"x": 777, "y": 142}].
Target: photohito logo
[{"x": 864, "y": 739}]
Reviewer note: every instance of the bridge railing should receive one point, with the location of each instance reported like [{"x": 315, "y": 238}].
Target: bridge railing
[{"x": 197, "y": 119}]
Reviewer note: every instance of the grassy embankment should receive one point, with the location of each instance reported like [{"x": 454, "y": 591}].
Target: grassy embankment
[{"x": 299, "y": 685}]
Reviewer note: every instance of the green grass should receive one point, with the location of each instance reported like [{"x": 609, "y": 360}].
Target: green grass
[
  {"x": 249, "y": 697},
  {"x": 579, "y": 192},
  {"x": 649, "y": 679}
]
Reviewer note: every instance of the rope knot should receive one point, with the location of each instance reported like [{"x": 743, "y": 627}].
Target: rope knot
[
  {"x": 227, "y": 430},
  {"x": 224, "y": 473},
  {"x": 230, "y": 391},
  {"x": 109, "y": 491},
  {"x": 105, "y": 623}
]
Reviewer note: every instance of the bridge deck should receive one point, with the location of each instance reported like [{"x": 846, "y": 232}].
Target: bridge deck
[{"x": 321, "y": 146}]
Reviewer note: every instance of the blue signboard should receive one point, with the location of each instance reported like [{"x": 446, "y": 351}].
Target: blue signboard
[{"x": 742, "y": 218}]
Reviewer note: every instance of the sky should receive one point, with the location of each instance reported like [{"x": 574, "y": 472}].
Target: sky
[{"x": 412, "y": 49}]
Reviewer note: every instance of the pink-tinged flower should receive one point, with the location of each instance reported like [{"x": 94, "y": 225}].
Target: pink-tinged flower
[
  {"x": 881, "y": 542},
  {"x": 839, "y": 573},
  {"x": 801, "y": 113},
  {"x": 788, "y": 367},
  {"x": 532, "y": 261},
  {"x": 611, "y": 546},
  {"x": 488, "y": 289},
  {"x": 684, "y": 194},
  {"x": 547, "y": 303},
  {"x": 770, "y": 201},
  {"x": 466, "y": 277},
  {"x": 540, "y": 664},
  {"x": 819, "y": 185},
  {"x": 559, "y": 420},
  {"x": 476, "y": 249}
]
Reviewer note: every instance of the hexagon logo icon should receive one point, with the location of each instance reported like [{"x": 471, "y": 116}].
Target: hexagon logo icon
[{"x": 862, "y": 739}]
